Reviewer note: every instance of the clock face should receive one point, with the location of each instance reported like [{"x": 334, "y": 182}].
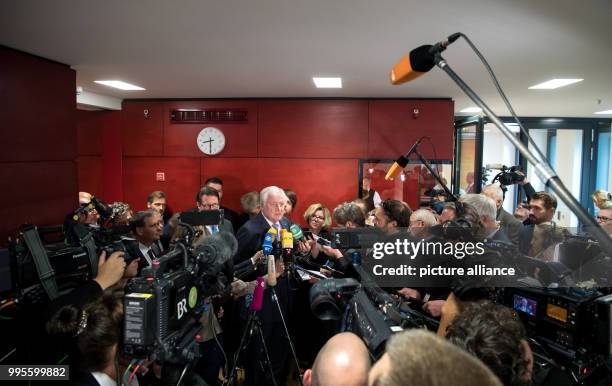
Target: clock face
[{"x": 211, "y": 140}]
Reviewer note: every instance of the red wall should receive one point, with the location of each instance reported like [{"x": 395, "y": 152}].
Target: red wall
[
  {"x": 310, "y": 146},
  {"x": 39, "y": 142}
]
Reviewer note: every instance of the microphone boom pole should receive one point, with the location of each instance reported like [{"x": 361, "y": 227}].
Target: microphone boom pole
[{"x": 542, "y": 168}]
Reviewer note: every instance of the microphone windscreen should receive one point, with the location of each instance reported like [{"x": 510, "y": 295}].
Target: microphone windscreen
[
  {"x": 286, "y": 239},
  {"x": 257, "y": 303},
  {"x": 217, "y": 249},
  {"x": 296, "y": 231},
  {"x": 271, "y": 278},
  {"x": 413, "y": 65},
  {"x": 267, "y": 244},
  {"x": 273, "y": 232}
]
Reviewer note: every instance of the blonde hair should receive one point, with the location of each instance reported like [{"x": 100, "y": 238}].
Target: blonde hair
[
  {"x": 312, "y": 210},
  {"x": 602, "y": 199}
]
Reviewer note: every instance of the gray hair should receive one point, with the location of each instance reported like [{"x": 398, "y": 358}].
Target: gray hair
[
  {"x": 349, "y": 211},
  {"x": 484, "y": 206},
  {"x": 267, "y": 191},
  {"x": 495, "y": 191},
  {"x": 426, "y": 216}
]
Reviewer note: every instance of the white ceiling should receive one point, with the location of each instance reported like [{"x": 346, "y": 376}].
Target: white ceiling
[{"x": 272, "y": 48}]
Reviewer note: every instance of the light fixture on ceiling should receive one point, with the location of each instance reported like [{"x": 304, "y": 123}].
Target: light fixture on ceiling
[
  {"x": 121, "y": 85},
  {"x": 472, "y": 109},
  {"x": 327, "y": 82},
  {"x": 605, "y": 112},
  {"x": 554, "y": 83}
]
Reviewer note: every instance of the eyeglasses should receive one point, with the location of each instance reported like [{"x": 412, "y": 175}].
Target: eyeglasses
[
  {"x": 603, "y": 218},
  {"x": 315, "y": 217},
  {"x": 280, "y": 205},
  {"x": 210, "y": 206}
]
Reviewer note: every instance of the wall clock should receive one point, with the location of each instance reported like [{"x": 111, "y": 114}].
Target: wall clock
[{"x": 211, "y": 141}]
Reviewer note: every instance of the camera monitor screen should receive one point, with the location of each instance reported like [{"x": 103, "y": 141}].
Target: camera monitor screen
[
  {"x": 525, "y": 305},
  {"x": 556, "y": 312}
]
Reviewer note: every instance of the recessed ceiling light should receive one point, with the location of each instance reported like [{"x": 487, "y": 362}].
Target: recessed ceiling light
[
  {"x": 119, "y": 84},
  {"x": 327, "y": 82},
  {"x": 604, "y": 112},
  {"x": 554, "y": 83},
  {"x": 471, "y": 110}
]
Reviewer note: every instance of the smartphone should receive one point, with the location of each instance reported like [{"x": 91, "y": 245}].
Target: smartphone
[{"x": 307, "y": 234}]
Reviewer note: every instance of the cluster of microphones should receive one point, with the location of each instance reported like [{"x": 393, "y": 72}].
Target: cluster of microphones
[{"x": 275, "y": 244}]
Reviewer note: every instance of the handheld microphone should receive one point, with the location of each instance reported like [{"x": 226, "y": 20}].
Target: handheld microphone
[
  {"x": 267, "y": 244},
  {"x": 418, "y": 61},
  {"x": 271, "y": 280},
  {"x": 257, "y": 302},
  {"x": 296, "y": 231},
  {"x": 401, "y": 162},
  {"x": 287, "y": 243}
]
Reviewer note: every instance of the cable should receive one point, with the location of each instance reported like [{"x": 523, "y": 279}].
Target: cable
[
  {"x": 503, "y": 95},
  {"x": 132, "y": 375},
  {"x": 7, "y": 304},
  {"x": 127, "y": 370}
]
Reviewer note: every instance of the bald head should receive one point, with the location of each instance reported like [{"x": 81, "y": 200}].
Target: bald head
[{"x": 343, "y": 361}]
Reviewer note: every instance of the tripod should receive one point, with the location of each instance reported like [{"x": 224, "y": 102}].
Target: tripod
[
  {"x": 253, "y": 325},
  {"x": 297, "y": 364}
]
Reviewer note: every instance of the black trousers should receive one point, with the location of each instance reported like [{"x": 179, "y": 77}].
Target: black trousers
[{"x": 211, "y": 361}]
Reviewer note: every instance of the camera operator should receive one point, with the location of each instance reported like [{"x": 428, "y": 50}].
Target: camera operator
[
  {"x": 94, "y": 332},
  {"x": 343, "y": 360},
  {"x": 538, "y": 238},
  {"x": 509, "y": 224},
  {"x": 147, "y": 227},
  {"x": 420, "y": 358},
  {"x": 495, "y": 335}
]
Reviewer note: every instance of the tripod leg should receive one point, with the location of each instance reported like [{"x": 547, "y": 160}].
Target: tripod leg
[
  {"x": 241, "y": 347},
  {"x": 297, "y": 364},
  {"x": 265, "y": 349}
]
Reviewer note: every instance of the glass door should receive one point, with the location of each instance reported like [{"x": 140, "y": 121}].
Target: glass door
[{"x": 468, "y": 156}]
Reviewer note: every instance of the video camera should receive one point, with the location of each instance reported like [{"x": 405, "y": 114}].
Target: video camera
[
  {"x": 163, "y": 305},
  {"x": 507, "y": 175}
]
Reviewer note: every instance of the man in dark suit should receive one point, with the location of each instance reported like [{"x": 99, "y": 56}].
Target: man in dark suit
[
  {"x": 208, "y": 199},
  {"x": 230, "y": 215},
  {"x": 507, "y": 222},
  {"x": 250, "y": 238},
  {"x": 147, "y": 227},
  {"x": 487, "y": 213}
]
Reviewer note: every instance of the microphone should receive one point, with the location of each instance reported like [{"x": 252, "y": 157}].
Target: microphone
[
  {"x": 268, "y": 243},
  {"x": 296, "y": 231},
  {"x": 401, "y": 162},
  {"x": 271, "y": 280},
  {"x": 287, "y": 243},
  {"x": 418, "y": 61},
  {"x": 257, "y": 302}
]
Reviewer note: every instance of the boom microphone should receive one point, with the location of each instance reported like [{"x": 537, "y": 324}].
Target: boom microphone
[
  {"x": 418, "y": 61},
  {"x": 401, "y": 162},
  {"x": 257, "y": 302}
]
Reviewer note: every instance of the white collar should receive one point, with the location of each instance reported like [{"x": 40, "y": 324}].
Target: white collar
[
  {"x": 103, "y": 379},
  {"x": 270, "y": 222}
]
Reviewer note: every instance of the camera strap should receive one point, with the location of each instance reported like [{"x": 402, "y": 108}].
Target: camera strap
[
  {"x": 46, "y": 274},
  {"x": 86, "y": 240}
]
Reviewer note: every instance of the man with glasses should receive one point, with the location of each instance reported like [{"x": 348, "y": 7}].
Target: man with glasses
[
  {"x": 230, "y": 215},
  {"x": 604, "y": 219},
  {"x": 208, "y": 199}
]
